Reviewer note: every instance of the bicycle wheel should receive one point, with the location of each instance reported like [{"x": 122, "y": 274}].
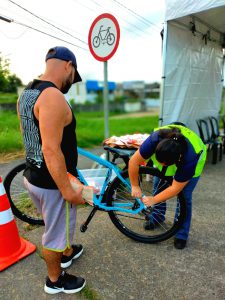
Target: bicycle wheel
[
  {"x": 20, "y": 201},
  {"x": 168, "y": 215},
  {"x": 110, "y": 39},
  {"x": 96, "y": 42}
]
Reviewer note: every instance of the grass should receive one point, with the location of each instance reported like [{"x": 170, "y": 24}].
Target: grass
[
  {"x": 89, "y": 293},
  {"x": 10, "y": 136},
  {"x": 92, "y": 133},
  {"x": 8, "y": 97},
  {"x": 90, "y": 129}
]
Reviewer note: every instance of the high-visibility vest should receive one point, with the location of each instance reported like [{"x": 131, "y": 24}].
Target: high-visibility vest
[{"x": 196, "y": 142}]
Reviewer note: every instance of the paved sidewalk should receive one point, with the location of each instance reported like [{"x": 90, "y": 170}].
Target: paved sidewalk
[{"x": 116, "y": 267}]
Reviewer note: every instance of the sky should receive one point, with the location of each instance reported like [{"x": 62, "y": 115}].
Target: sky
[{"x": 138, "y": 56}]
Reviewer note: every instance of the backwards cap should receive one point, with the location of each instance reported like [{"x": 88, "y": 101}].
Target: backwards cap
[{"x": 64, "y": 53}]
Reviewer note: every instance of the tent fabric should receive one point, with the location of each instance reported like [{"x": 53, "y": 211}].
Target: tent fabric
[
  {"x": 192, "y": 63},
  {"x": 176, "y": 8},
  {"x": 193, "y": 78}
]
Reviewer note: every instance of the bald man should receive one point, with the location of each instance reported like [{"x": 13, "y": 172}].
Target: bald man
[{"x": 48, "y": 127}]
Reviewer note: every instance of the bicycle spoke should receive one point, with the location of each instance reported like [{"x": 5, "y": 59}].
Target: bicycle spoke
[
  {"x": 164, "y": 214},
  {"x": 129, "y": 216},
  {"x": 21, "y": 199}
]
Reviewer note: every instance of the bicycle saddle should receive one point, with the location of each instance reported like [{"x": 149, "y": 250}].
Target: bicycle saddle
[{"x": 120, "y": 152}]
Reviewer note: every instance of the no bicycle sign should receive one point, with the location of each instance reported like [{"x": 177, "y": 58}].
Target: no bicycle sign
[{"x": 104, "y": 36}]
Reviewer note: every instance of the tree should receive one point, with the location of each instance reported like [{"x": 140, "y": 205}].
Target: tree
[
  {"x": 4, "y": 67},
  {"x": 8, "y": 82},
  {"x": 13, "y": 83}
]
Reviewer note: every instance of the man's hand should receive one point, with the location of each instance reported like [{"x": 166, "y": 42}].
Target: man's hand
[
  {"x": 75, "y": 197},
  {"x": 148, "y": 201},
  {"x": 136, "y": 191}
]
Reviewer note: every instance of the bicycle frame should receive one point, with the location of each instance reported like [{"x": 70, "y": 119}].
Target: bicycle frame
[
  {"x": 106, "y": 35},
  {"x": 127, "y": 213},
  {"x": 98, "y": 199}
]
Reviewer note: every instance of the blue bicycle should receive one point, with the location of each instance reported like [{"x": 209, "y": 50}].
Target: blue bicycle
[{"x": 127, "y": 213}]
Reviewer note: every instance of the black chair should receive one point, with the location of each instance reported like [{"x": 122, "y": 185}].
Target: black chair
[
  {"x": 222, "y": 118},
  {"x": 216, "y": 134},
  {"x": 206, "y": 136}
]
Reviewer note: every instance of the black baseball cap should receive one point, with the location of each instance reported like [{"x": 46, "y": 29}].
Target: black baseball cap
[{"x": 64, "y": 53}]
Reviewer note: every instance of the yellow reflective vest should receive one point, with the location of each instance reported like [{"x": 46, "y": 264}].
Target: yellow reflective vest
[{"x": 196, "y": 142}]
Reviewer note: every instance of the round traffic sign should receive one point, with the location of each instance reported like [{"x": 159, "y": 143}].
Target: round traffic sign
[{"x": 104, "y": 36}]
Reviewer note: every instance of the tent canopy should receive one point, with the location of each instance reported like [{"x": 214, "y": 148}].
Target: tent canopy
[
  {"x": 194, "y": 38},
  {"x": 212, "y": 12}
]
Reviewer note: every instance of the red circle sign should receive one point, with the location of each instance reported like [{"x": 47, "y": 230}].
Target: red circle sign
[{"x": 103, "y": 37}]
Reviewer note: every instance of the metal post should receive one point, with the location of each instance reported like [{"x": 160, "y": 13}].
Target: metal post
[
  {"x": 106, "y": 101},
  {"x": 162, "y": 86}
]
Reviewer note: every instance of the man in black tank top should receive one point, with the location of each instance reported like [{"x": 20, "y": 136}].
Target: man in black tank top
[{"x": 48, "y": 127}]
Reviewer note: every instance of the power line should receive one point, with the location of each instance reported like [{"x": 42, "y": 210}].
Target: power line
[
  {"x": 96, "y": 3},
  {"x": 68, "y": 28},
  {"x": 35, "y": 29},
  {"x": 40, "y": 18},
  {"x": 138, "y": 28},
  {"x": 144, "y": 20},
  {"x": 9, "y": 20}
]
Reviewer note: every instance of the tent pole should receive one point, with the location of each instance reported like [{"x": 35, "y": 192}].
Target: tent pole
[{"x": 163, "y": 75}]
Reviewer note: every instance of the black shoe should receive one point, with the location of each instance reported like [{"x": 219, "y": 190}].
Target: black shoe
[
  {"x": 66, "y": 283},
  {"x": 179, "y": 243},
  {"x": 151, "y": 225},
  {"x": 66, "y": 261}
]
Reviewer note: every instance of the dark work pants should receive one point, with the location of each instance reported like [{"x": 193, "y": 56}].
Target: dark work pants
[{"x": 158, "y": 215}]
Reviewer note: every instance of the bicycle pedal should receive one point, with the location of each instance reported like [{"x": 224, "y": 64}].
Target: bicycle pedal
[{"x": 147, "y": 211}]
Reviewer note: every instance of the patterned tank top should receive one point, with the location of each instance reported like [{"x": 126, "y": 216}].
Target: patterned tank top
[{"x": 36, "y": 170}]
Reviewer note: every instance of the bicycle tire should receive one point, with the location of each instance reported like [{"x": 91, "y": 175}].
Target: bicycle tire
[
  {"x": 175, "y": 212},
  {"x": 96, "y": 42},
  {"x": 110, "y": 39},
  {"x": 21, "y": 204}
]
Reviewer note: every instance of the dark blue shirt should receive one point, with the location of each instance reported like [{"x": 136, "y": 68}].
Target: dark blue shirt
[{"x": 185, "y": 170}]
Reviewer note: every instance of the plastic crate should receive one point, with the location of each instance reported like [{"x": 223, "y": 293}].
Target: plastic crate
[{"x": 96, "y": 177}]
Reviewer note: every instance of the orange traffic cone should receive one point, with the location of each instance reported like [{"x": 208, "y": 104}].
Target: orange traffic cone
[{"x": 12, "y": 246}]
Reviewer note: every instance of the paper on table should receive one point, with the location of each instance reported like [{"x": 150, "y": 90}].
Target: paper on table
[
  {"x": 87, "y": 192},
  {"x": 126, "y": 141}
]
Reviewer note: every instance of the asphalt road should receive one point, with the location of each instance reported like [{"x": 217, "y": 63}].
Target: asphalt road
[{"x": 116, "y": 267}]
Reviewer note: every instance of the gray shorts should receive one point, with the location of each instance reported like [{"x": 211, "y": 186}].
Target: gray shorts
[{"x": 59, "y": 217}]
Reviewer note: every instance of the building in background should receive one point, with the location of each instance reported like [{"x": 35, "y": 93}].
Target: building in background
[
  {"x": 90, "y": 91},
  {"x": 131, "y": 95}
]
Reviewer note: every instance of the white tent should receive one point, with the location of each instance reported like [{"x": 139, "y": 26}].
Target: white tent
[{"x": 193, "y": 42}]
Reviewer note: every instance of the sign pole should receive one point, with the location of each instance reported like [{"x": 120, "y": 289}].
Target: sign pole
[
  {"x": 103, "y": 41},
  {"x": 106, "y": 100}
]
